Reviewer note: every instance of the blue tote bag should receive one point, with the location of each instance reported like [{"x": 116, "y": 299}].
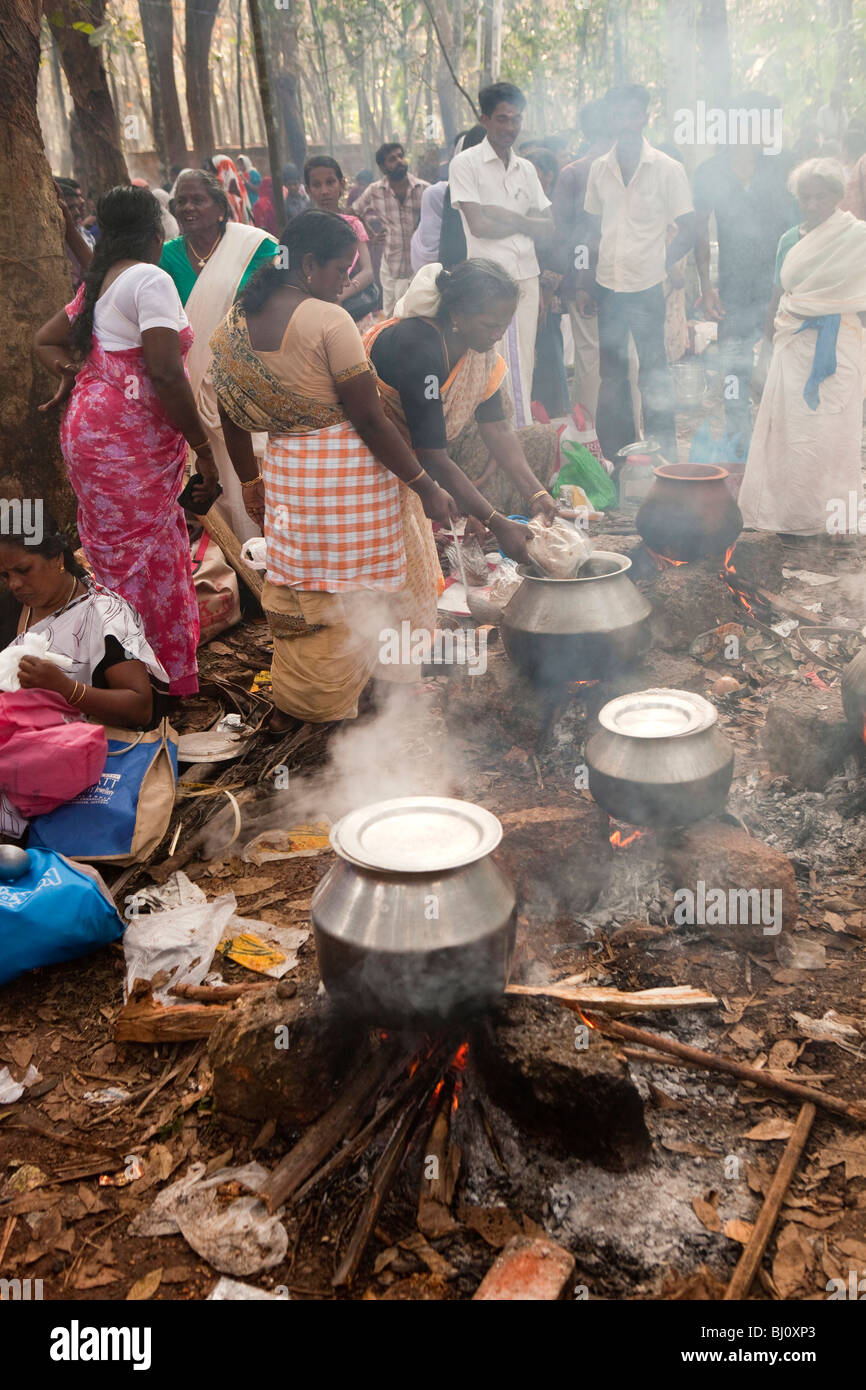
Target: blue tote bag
[{"x": 122, "y": 817}]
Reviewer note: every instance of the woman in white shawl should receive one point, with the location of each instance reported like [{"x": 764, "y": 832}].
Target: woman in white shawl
[
  {"x": 210, "y": 263},
  {"x": 804, "y": 467}
]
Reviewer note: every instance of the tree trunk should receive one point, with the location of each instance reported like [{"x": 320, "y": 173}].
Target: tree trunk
[
  {"x": 264, "y": 86},
  {"x": 845, "y": 40},
  {"x": 200, "y": 16},
  {"x": 282, "y": 34},
  {"x": 95, "y": 131},
  {"x": 35, "y": 271},
  {"x": 158, "y": 29},
  {"x": 681, "y": 36},
  {"x": 60, "y": 99},
  {"x": 715, "y": 53},
  {"x": 323, "y": 67}
]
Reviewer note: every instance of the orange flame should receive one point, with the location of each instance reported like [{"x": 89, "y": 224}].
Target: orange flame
[
  {"x": 588, "y": 1021},
  {"x": 618, "y": 842},
  {"x": 729, "y": 574},
  {"x": 662, "y": 560}
]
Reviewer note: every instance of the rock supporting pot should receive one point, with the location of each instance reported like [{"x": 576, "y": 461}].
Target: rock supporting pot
[{"x": 689, "y": 512}]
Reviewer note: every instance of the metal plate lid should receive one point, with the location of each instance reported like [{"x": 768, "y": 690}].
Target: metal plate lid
[
  {"x": 657, "y": 714},
  {"x": 416, "y": 834}
]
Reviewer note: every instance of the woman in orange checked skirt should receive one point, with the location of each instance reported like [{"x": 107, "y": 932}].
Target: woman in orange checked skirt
[{"x": 343, "y": 502}]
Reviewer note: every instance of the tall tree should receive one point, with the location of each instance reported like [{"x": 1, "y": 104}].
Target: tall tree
[
  {"x": 157, "y": 26},
  {"x": 283, "y": 21},
  {"x": 200, "y": 16},
  {"x": 715, "y": 52},
  {"x": 35, "y": 274},
  {"x": 681, "y": 38},
  {"x": 95, "y": 130}
]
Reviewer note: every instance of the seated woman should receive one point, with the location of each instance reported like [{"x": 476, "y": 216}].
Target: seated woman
[
  {"x": 342, "y": 499},
  {"x": 109, "y": 680},
  {"x": 804, "y": 459},
  {"x": 438, "y": 370}
]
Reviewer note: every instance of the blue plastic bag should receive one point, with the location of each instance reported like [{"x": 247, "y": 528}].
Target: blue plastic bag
[{"x": 56, "y": 911}]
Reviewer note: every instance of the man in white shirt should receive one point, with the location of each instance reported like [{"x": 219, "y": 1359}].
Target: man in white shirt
[
  {"x": 633, "y": 195},
  {"x": 505, "y": 212}
]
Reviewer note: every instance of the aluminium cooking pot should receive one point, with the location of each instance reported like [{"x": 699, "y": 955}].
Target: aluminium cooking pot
[
  {"x": 659, "y": 759},
  {"x": 415, "y": 923},
  {"x": 560, "y": 630},
  {"x": 689, "y": 512}
]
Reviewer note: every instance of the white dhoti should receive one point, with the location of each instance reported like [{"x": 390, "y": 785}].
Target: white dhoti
[{"x": 518, "y": 349}]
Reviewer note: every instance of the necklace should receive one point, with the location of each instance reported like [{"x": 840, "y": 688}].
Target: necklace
[
  {"x": 60, "y": 611},
  {"x": 203, "y": 260}
]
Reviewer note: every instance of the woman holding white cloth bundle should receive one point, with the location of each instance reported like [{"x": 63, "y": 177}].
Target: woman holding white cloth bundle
[{"x": 804, "y": 460}]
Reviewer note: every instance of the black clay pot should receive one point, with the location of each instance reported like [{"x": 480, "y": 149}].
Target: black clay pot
[
  {"x": 854, "y": 694},
  {"x": 689, "y": 513}
]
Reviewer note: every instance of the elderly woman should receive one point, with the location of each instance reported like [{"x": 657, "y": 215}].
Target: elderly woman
[
  {"x": 344, "y": 501},
  {"x": 112, "y": 663},
  {"x": 438, "y": 370},
  {"x": 210, "y": 262},
  {"x": 804, "y": 459}
]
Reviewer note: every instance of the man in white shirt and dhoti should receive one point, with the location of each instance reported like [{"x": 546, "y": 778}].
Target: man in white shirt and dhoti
[{"x": 505, "y": 212}]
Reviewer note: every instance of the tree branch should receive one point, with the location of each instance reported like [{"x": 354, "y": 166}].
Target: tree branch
[{"x": 428, "y": 7}]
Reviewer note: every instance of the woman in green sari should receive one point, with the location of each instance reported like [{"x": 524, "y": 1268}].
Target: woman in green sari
[{"x": 210, "y": 263}]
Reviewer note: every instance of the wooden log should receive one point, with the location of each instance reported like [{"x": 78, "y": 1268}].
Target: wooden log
[
  {"x": 143, "y": 1019},
  {"x": 619, "y": 1001},
  {"x": 437, "y": 1191},
  {"x": 657, "y": 1059},
  {"x": 850, "y": 1110},
  {"x": 790, "y": 609},
  {"x": 219, "y": 530},
  {"x": 753, "y": 1252},
  {"x": 341, "y": 1121}
]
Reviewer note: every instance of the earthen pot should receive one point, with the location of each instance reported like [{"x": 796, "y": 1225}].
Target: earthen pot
[
  {"x": 689, "y": 513},
  {"x": 854, "y": 694}
]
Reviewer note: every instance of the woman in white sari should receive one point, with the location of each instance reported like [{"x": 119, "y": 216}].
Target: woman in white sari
[
  {"x": 210, "y": 263},
  {"x": 804, "y": 462}
]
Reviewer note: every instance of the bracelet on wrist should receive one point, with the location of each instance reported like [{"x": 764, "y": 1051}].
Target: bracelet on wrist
[
  {"x": 205, "y": 444},
  {"x": 251, "y": 482},
  {"x": 422, "y": 473},
  {"x": 487, "y": 520},
  {"x": 542, "y": 492}
]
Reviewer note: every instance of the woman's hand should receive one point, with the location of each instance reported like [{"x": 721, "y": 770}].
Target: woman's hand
[
  {"x": 64, "y": 390},
  {"x": 545, "y": 507},
  {"x": 205, "y": 493},
  {"x": 438, "y": 504},
  {"x": 513, "y": 537},
  {"x": 36, "y": 674},
  {"x": 254, "y": 502}
]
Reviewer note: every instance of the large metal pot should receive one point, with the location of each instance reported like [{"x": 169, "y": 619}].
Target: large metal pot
[
  {"x": 689, "y": 513},
  {"x": 423, "y": 931},
  {"x": 560, "y": 630},
  {"x": 659, "y": 759}
]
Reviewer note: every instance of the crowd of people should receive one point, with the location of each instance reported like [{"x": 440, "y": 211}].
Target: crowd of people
[{"x": 337, "y": 367}]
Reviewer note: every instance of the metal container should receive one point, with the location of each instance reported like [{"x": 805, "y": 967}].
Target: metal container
[
  {"x": 689, "y": 513},
  {"x": 414, "y": 925},
  {"x": 560, "y": 630},
  {"x": 659, "y": 759},
  {"x": 854, "y": 694}
]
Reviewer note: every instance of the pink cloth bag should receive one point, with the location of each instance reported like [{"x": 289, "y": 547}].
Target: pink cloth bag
[{"x": 48, "y": 753}]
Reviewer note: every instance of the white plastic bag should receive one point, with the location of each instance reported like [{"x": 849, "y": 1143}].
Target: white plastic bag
[
  {"x": 32, "y": 644},
  {"x": 558, "y": 549},
  {"x": 178, "y": 945}
]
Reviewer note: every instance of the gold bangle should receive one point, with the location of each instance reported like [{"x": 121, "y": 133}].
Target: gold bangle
[
  {"x": 81, "y": 694},
  {"x": 422, "y": 473},
  {"x": 542, "y": 492},
  {"x": 70, "y": 699},
  {"x": 251, "y": 482},
  {"x": 77, "y": 695},
  {"x": 487, "y": 520},
  {"x": 205, "y": 444}
]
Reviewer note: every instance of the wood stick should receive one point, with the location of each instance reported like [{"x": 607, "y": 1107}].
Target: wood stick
[
  {"x": 144, "y": 1019},
  {"x": 213, "y": 994},
  {"x": 388, "y": 1166},
  {"x": 219, "y": 530},
  {"x": 622, "y": 1001},
  {"x": 791, "y": 609},
  {"x": 753, "y": 1252},
  {"x": 341, "y": 1121},
  {"x": 11, "y": 1223},
  {"x": 851, "y": 1110},
  {"x": 640, "y": 1054}
]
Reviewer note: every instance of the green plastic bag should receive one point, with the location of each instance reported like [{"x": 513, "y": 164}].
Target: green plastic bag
[{"x": 583, "y": 468}]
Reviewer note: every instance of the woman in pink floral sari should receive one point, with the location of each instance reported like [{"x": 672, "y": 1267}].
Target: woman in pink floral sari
[{"x": 130, "y": 418}]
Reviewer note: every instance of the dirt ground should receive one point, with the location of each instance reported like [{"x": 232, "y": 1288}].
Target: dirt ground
[{"x": 674, "y": 1229}]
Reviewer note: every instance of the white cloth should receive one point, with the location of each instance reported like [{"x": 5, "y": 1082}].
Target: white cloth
[
  {"x": 28, "y": 644},
  {"x": 421, "y": 300},
  {"x": 211, "y": 298},
  {"x": 424, "y": 246},
  {"x": 518, "y": 349},
  {"x": 479, "y": 176},
  {"x": 143, "y": 296},
  {"x": 635, "y": 217},
  {"x": 170, "y": 228},
  {"x": 804, "y": 465}
]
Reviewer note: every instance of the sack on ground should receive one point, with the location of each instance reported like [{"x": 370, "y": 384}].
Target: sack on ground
[
  {"x": 216, "y": 589},
  {"x": 55, "y": 912}
]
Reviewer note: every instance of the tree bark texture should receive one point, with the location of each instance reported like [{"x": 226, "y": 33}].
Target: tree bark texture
[
  {"x": 94, "y": 129},
  {"x": 200, "y": 16},
  {"x": 157, "y": 26}
]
